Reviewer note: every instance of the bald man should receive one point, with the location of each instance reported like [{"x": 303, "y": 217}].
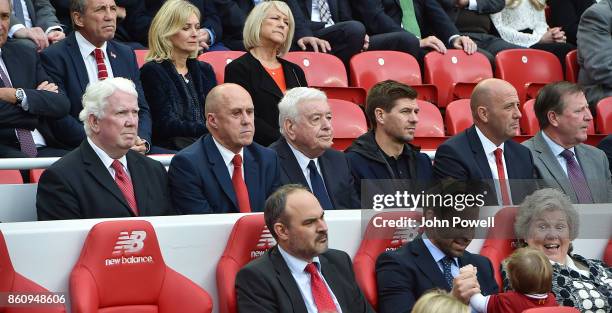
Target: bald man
[
  {"x": 484, "y": 152},
  {"x": 224, "y": 171}
]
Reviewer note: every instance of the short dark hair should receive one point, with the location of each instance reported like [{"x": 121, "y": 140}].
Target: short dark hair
[
  {"x": 550, "y": 99},
  {"x": 383, "y": 95},
  {"x": 276, "y": 203}
]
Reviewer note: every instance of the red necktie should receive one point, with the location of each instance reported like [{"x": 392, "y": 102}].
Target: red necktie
[
  {"x": 502, "y": 176},
  {"x": 242, "y": 193},
  {"x": 99, "y": 55},
  {"x": 321, "y": 295},
  {"x": 125, "y": 185}
]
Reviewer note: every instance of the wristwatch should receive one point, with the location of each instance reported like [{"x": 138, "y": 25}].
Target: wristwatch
[{"x": 20, "y": 95}]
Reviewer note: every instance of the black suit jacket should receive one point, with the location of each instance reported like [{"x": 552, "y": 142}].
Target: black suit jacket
[
  {"x": 405, "y": 274},
  {"x": 65, "y": 65},
  {"x": 233, "y": 14},
  {"x": 340, "y": 11},
  {"x": 266, "y": 285},
  {"x": 336, "y": 174},
  {"x": 79, "y": 186},
  {"x": 484, "y": 7},
  {"x": 247, "y": 72}
]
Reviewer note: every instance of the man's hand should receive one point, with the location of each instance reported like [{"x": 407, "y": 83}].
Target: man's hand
[
  {"x": 316, "y": 44},
  {"x": 434, "y": 43},
  {"x": 121, "y": 13},
  {"x": 366, "y": 43},
  {"x": 465, "y": 43},
  {"x": 55, "y": 36},
  {"x": 203, "y": 39},
  {"x": 139, "y": 146},
  {"x": 35, "y": 34},
  {"x": 462, "y": 3},
  {"x": 47, "y": 86},
  {"x": 465, "y": 285}
]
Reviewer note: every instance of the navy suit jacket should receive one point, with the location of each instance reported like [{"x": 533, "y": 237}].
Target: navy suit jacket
[
  {"x": 64, "y": 63},
  {"x": 233, "y": 14},
  {"x": 201, "y": 183},
  {"x": 405, "y": 274},
  {"x": 336, "y": 174}
]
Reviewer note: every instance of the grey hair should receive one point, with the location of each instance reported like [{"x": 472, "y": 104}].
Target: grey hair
[
  {"x": 547, "y": 199},
  {"x": 288, "y": 107},
  {"x": 78, "y": 6},
  {"x": 96, "y": 96},
  {"x": 276, "y": 203}
]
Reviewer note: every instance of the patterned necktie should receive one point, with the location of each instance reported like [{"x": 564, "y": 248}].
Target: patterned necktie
[
  {"x": 318, "y": 188},
  {"x": 125, "y": 185},
  {"x": 501, "y": 175},
  {"x": 240, "y": 188},
  {"x": 324, "y": 13},
  {"x": 446, "y": 270},
  {"x": 99, "y": 55},
  {"x": 24, "y": 136},
  {"x": 18, "y": 10},
  {"x": 321, "y": 295},
  {"x": 576, "y": 178},
  {"x": 409, "y": 21}
]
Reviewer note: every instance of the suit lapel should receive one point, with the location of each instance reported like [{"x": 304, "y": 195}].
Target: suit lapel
[
  {"x": 479, "y": 154},
  {"x": 219, "y": 168},
  {"x": 426, "y": 263},
  {"x": 291, "y": 77},
  {"x": 118, "y": 69},
  {"x": 32, "y": 12},
  {"x": 77, "y": 61},
  {"x": 286, "y": 279},
  {"x": 545, "y": 155},
  {"x": 14, "y": 67},
  {"x": 251, "y": 177},
  {"x": 333, "y": 10},
  {"x": 330, "y": 273},
  {"x": 330, "y": 182},
  {"x": 290, "y": 164},
  {"x": 265, "y": 81},
  {"x": 308, "y": 11},
  {"x": 138, "y": 174}
]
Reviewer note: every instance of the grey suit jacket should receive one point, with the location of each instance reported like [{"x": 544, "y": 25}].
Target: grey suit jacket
[
  {"x": 594, "y": 38},
  {"x": 593, "y": 161},
  {"x": 41, "y": 12}
]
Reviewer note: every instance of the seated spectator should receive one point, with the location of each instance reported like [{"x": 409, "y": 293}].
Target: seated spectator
[
  {"x": 305, "y": 152},
  {"x": 522, "y": 22},
  {"x": 268, "y": 32},
  {"x": 594, "y": 57},
  {"x": 530, "y": 276},
  {"x": 439, "y": 301},
  {"x": 224, "y": 171},
  {"x": 103, "y": 177},
  {"x": 300, "y": 273},
  {"x": 566, "y": 14},
  {"x": 35, "y": 21},
  {"x": 548, "y": 222},
  {"x": 175, "y": 83}
]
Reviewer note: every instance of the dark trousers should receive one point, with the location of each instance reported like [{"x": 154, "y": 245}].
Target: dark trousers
[{"x": 345, "y": 39}]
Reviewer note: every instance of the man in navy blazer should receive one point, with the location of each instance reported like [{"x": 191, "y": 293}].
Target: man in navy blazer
[
  {"x": 470, "y": 155},
  {"x": 305, "y": 147},
  {"x": 71, "y": 63},
  {"x": 212, "y": 174}
]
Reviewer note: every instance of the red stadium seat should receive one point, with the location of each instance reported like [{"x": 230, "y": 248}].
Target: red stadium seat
[
  {"x": 248, "y": 240},
  {"x": 321, "y": 69},
  {"x": 140, "y": 57},
  {"x": 528, "y": 70},
  {"x": 35, "y": 174},
  {"x": 121, "y": 269},
  {"x": 10, "y": 177},
  {"x": 455, "y": 73},
  {"x": 430, "y": 121},
  {"x": 370, "y": 67},
  {"x": 348, "y": 121},
  {"x": 375, "y": 241},
  {"x": 11, "y": 281},
  {"x": 555, "y": 309},
  {"x": 218, "y": 60},
  {"x": 604, "y": 116},
  {"x": 572, "y": 68},
  {"x": 529, "y": 121},
  {"x": 458, "y": 116},
  {"x": 498, "y": 244},
  {"x": 608, "y": 254}
]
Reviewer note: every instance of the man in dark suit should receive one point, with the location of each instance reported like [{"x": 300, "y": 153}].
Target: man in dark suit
[
  {"x": 305, "y": 152},
  {"x": 433, "y": 261},
  {"x": 605, "y": 145},
  {"x": 300, "y": 274},
  {"x": 103, "y": 177},
  {"x": 224, "y": 171},
  {"x": 485, "y": 151},
  {"x": 36, "y": 22},
  {"x": 233, "y": 14},
  {"x": 88, "y": 55},
  {"x": 28, "y": 99}
]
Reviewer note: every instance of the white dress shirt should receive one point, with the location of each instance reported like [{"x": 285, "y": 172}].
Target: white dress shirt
[
  {"x": 28, "y": 22},
  {"x": 489, "y": 149},
  {"x": 556, "y": 151},
  {"x": 108, "y": 161},
  {"x": 86, "y": 49},
  {"x": 228, "y": 156},
  {"x": 315, "y": 15}
]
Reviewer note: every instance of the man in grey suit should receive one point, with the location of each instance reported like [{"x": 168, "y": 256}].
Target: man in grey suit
[
  {"x": 594, "y": 45},
  {"x": 35, "y": 21},
  {"x": 560, "y": 157}
]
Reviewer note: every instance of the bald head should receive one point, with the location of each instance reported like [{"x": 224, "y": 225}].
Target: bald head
[
  {"x": 223, "y": 94},
  {"x": 494, "y": 104},
  {"x": 486, "y": 91}
]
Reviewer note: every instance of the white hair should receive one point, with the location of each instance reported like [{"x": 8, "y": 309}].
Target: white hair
[
  {"x": 288, "y": 106},
  {"x": 96, "y": 95}
]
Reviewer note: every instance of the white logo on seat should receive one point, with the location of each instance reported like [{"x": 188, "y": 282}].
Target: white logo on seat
[
  {"x": 401, "y": 236},
  {"x": 130, "y": 243},
  {"x": 266, "y": 241}
]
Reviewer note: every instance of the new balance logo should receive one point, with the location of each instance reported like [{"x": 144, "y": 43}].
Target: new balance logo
[
  {"x": 402, "y": 236},
  {"x": 130, "y": 243},
  {"x": 266, "y": 241}
]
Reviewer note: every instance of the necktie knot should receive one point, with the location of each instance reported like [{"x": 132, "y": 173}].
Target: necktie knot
[
  {"x": 499, "y": 152},
  {"x": 237, "y": 160},
  {"x": 448, "y": 261},
  {"x": 312, "y": 166},
  {"x": 311, "y": 268},
  {"x": 568, "y": 155},
  {"x": 116, "y": 165},
  {"x": 98, "y": 54},
  {"x": 125, "y": 186}
]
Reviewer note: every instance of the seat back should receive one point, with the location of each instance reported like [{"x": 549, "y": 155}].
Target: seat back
[
  {"x": 121, "y": 269},
  {"x": 608, "y": 254},
  {"x": 498, "y": 244},
  {"x": 218, "y": 60},
  {"x": 458, "y": 116},
  {"x": 249, "y": 239},
  {"x": 321, "y": 69},
  {"x": 430, "y": 121},
  {"x": 529, "y": 121},
  {"x": 375, "y": 241},
  {"x": 604, "y": 116},
  {"x": 524, "y": 67},
  {"x": 348, "y": 121},
  {"x": 572, "y": 68},
  {"x": 455, "y": 66},
  {"x": 370, "y": 67},
  {"x": 10, "y": 177},
  {"x": 554, "y": 309},
  {"x": 35, "y": 174},
  {"x": 141, "y": 54}
]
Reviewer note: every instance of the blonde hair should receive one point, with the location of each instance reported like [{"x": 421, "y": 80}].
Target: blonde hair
[
  {"x": 439, "y": 301},
  {"x": 252, "y": 26},
  {"x": 529, "y": 271},
  {"x": 168, "y": 21},
  {"x": 537, "y": 4}
]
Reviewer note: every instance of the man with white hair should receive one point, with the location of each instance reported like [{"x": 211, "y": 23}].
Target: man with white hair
[
  {"x": 103, "y": 177},
  {"x": 305, "y": 152}
]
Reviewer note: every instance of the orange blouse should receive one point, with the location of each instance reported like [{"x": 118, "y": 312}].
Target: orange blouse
[{"x": 278, "y": 76}]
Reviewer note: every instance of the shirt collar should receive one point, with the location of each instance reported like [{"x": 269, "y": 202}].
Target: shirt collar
[
  {"x": 86, "y": 47},
  {"x": 436, "y": 253},
  {"x": 226, "y": 154},
  {"x": 487, "y": 145},
  {"x": 302, "y": 159},
  {"x": 104, "y": 157},
  {"x": 555, "y": 148},
  {"x": 297, "y": 265}
]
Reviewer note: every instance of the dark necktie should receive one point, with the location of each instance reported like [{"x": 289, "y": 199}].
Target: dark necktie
[
  {"x": 125, "y": 185},
  {"x": 576, "y": 178},
  {"x": 102, "y": 72},
  {"x": 318, "y": 188},
  {"x": 24, "y": 136},
  {"x": 324, "y": 13},
  {"x": 18, "y": 10},
  {"x": 446, "y": 270},
  {"x": 501, "y": 175},
  {"x": 240, "y": 188},
  {"x": 321, "y": 295}
]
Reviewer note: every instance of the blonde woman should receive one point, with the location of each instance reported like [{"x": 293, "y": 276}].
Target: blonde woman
[
  {"x": 268, "y": 33},
  {"x": 439, "y": 301},
  {"x": 175, "y": 83}
]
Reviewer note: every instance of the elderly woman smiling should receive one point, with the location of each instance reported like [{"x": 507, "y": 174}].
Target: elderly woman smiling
[{"x": 547, "y": 221}]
